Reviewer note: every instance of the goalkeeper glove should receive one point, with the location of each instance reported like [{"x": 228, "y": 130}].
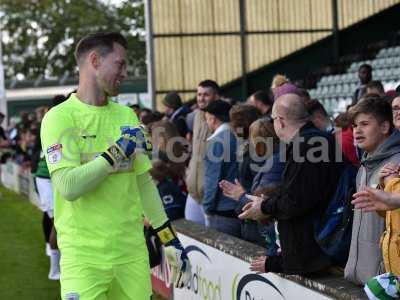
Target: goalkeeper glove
[
  {"x": 176, "y": 255},
  {"x": 132, "y": 138},
  {"x": 147, "y": 145}
]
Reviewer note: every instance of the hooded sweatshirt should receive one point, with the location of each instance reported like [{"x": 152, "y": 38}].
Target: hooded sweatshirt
[{"x": 365, "y": 257}]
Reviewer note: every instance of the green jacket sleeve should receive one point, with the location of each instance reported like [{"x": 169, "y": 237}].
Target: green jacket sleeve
[
  {"x": 151, "y": 201},
  {"x": 73, "y": 182}
]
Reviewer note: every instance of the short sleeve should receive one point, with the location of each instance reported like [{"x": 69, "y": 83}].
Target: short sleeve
[{"x": 59, "y": 139}]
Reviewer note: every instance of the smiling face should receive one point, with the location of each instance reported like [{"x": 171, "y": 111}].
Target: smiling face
[
  {"x": 112, "y": 70},
  {"x": 205, "y": 95},
  {"x": 368, "y": 132}
]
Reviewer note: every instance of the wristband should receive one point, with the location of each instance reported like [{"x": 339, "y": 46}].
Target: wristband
[
  {"x": 166, "y": 233},
  {"x": 114, "y": 154}
]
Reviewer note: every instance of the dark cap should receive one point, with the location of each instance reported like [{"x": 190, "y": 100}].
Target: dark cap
[
  {"x": 398, "y": 90},
  {"x": 172, "y": 100},
  {"x": 220, "y": 109}
]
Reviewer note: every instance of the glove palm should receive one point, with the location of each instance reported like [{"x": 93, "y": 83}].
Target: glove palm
[
  {"x": 181, "y": 270},
  {"x": 179, "y": 264}
]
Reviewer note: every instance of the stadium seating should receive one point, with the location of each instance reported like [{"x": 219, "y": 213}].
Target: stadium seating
[{"x": 335, "y": 91}]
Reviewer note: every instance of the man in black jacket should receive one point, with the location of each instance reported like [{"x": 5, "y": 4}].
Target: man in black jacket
[
  {"x": 365, "y": 76},
  {"x": 309, "y": 181}
]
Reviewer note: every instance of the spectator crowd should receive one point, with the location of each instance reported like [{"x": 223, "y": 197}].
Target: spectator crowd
[{"x": 276, "y": 171}]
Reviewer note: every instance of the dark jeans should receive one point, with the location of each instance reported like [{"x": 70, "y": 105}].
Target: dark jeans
[
  {"x": 226, "y": 225},
  {"x": 269, "y": 234},
  {"x": 251, "y": 232}
]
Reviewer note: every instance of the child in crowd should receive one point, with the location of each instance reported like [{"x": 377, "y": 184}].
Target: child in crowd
[
  {"x": 374, "y": 133},
  {"x": 264, "y": 145},
  {"x": 173, "y": 198},
  {"x": 385, "y": 286},
  {"x": 390, "y": 241},
  {"x": 169, "y": 167},
  {"x": 391, "y": 236}
]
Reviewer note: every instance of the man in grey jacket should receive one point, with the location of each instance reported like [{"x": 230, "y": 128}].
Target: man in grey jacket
[
  {"x": 375, "y": 134},
  {"x": 207, "y": 92}
]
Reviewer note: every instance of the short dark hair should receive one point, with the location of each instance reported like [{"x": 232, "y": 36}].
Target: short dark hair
[
  {"x": 2, "y": 115},
  {"x": 134, "y": 106},
  {"x": 57, "y": 99},
  {"x": 172, "y": 100},
  {"x": 146, "y": 116},
  {"x": 314, "y": 106},
  {"x": 219, "y": 109},
  {"x": 366, "y": 66},
  {"x": 375, "y": 106},
  {"x": 265, "y": 97},
  {"x": 157, "y": 116},
  {"x": 342, "y": 120},
  {"x": 376, "y": 84},
  {"x": 208, "y": 83},
  {"x": 103, "y": 42},
  {"x": 190, "y": 102}
]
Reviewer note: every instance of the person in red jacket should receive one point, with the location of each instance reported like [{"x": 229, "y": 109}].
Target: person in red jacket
[{"x": 345, "y": 138}]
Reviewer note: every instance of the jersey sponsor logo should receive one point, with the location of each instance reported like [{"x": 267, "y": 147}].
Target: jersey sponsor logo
[
  {"x": 72, "y": 296},
  {"x": 93, "y": 136},
  {"x": 54, "y": 153}
]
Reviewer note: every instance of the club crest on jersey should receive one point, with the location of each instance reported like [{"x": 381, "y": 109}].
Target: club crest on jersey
[{"x": 54, "y": 153}]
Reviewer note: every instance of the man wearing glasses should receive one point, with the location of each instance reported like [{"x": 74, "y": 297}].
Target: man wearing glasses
[{"x": 308, "y": 182}]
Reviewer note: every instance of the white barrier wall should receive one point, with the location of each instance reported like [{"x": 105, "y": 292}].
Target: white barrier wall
[
  {"x": 9, "y": 176},
  {"x": 219, "y": 276},
  {"x": 19, "y": 181}
]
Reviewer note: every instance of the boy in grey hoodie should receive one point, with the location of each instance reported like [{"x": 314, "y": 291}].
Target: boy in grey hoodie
[{"x": 375, "y": 134}]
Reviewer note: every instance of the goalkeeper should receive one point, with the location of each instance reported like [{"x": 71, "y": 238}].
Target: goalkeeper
[{"x": 94, "y": 150}]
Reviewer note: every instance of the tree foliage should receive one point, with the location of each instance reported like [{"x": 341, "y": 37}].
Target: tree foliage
[{"x": 39, "y": 35}]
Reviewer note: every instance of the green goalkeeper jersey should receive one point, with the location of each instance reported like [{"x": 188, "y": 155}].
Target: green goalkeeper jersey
[{"x": 104, "y": 225}]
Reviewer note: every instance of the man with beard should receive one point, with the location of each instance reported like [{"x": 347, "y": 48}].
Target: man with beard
[{"x": 102, "y": 187}]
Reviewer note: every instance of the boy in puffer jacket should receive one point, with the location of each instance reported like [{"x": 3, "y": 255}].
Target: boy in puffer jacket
[
  {"x": 391, "y": 236},
  {"x": 390, "y": 241},
  {"x": 385, "y": 286}
]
